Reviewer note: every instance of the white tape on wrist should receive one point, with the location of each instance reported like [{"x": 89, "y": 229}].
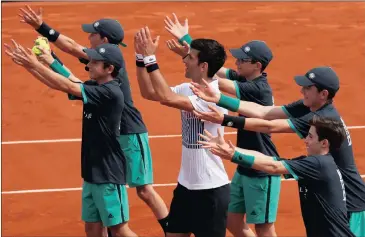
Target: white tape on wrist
[
  {"x": 149, "y": 60},
  {"x": 139, "y": 57}
]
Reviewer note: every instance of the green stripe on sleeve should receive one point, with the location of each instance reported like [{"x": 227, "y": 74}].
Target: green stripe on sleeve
[
  {"x": 227, "y": 73},
  {"x": 286, "y": 111},
  {"x": 84, "y": 97},
  {"x": 294, "y": 129},
  {"x": 237, "y": 90},
  {"x": 290, "y": 170}
]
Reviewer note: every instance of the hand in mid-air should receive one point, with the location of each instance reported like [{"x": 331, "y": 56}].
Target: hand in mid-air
[
  {"x": 214, "y": 116},
  {"x": 177, "y": 48},
  {"x": 145, "y": 43},
  {"x": 175, "y": 28},
  {"x": 205, "y": 91},
  {"x": 217, "y": 145},
  {"x": 23, "y": 57},
  {"x": 31, "y": 17}
]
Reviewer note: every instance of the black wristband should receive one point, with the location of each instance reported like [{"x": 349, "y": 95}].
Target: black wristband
[
  {"x": 140, "y": 63},
  {"x": 46, "y": 31},
  {"x": 152, "y": 67},
  {"x": 56, "y": 58},
  {"x": 233, "y": 121}
]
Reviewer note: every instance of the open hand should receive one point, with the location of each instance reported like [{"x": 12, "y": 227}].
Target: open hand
[
  {"x": 205, "y": 91},
  {"x": 217, "y": 145},
  {"x": 175, "y": 28},
  {"x": 23, "y": 57},
  {"x": 31, "y": 17},
  {"x": 177, "y": 48},
  {"x": 214, "y": 116},
  {"x": 145, "y": 43}
]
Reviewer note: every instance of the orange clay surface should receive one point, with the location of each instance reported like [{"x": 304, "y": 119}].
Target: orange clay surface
[{"x": 301, "y": 35}]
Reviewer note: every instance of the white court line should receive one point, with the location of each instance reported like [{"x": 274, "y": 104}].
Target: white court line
[
  {"x": 79, "y": 139},
  {"x": 79, "y": 189}
]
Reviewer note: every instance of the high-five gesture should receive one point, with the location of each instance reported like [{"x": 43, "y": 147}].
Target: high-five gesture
[
  {"x": 175, "y": 28},
  {"x": 145, "y": 43},
  {"x": 31, "y": 17}
]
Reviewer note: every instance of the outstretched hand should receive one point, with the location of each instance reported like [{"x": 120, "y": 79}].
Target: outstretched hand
[
  {"x": 23, "y": 57},
  {"x": 145, "y": 43},
  {"x": 205, "y": 91},
  {"x": 175, "y": 28},
  {"x": 177, "y": 48},
  {"x": 217, "y": 145},
  {"x": 30, "y": 17}
]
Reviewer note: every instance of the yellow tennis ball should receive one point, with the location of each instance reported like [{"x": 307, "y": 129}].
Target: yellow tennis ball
[{"x": 40, "y": 41}]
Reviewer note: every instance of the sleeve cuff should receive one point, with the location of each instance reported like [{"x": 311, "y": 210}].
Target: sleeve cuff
[
  {"x": 294, "y": 128},
  {"x": 290, "y": 170},
  {"x": 237, "y": 89},
  {"x": 286, "y": 111},
  {"x": 84, "y": 97}
]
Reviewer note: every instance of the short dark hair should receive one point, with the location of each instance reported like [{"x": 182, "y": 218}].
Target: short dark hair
[
  {"x": 330, "y": 129},
  {"x": 115, "y": 71},
  {"x": 331, "y": 93},
  {"x": 211, "y": 52}
]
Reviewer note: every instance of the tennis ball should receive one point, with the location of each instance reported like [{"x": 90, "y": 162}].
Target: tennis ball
[{"x": 40, "y": 41}]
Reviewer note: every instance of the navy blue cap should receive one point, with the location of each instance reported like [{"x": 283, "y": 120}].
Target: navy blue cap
[
  {"x": 324, "y": 77},
  {"x": 110, "y": 53},
  {"x": 256, "y": 50},
  {"x": 109, "y": 28}
]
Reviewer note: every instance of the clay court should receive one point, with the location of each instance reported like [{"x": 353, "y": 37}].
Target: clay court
[{"x": 302, "y": 35}]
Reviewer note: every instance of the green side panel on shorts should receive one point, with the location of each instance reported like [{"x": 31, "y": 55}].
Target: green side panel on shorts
[
  {"x": 139, "y": 169},
  {"x": 257, "y": 197},
  {"x": 357, "y": 223},
  {"x": 106, "y": 203}
]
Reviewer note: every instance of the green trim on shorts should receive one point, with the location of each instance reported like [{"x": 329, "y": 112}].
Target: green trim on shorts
[
  {"x": 106, "y": 203},
  {"x": 256, "y": 197},
  {"x": 357, "y": 223},
  {"x": 136, "y": 149}
]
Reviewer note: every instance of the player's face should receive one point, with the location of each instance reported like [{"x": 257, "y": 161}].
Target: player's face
[
  {"x": 311, "y": 96},
  {"x": 193, "y": 69},
  {"x": 314, "y": 146},
  {"x": 97, "y": 70},
  {"x": 95, "y": 40},
  {"x": 245, "y": 68}
]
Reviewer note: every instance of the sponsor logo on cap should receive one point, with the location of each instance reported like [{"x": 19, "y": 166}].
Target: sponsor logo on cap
[
  {"x": 247, "y": 49},
  {"x": 96, "y": 24},
  {"x": 311, "y": 75},
  {"x": 101, "y": 50}
]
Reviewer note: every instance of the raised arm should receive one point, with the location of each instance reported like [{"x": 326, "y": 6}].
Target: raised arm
[
  {"x": 28, "y": 60},
  {"x": 163, "y": 92},
  {"x": 246, "y": 158},
  {"x": 248, "y": 109},
  {"x": 144, "y": 81},
  {"x": 64, "y": 43}
]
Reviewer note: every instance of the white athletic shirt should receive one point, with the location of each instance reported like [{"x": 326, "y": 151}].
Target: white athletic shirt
[{"x": 199, "y": 169}]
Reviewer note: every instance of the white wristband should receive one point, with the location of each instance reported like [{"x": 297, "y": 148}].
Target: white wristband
[
  {"x": 149, "y": 60},
  {"x": 139, "y": 57}
]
